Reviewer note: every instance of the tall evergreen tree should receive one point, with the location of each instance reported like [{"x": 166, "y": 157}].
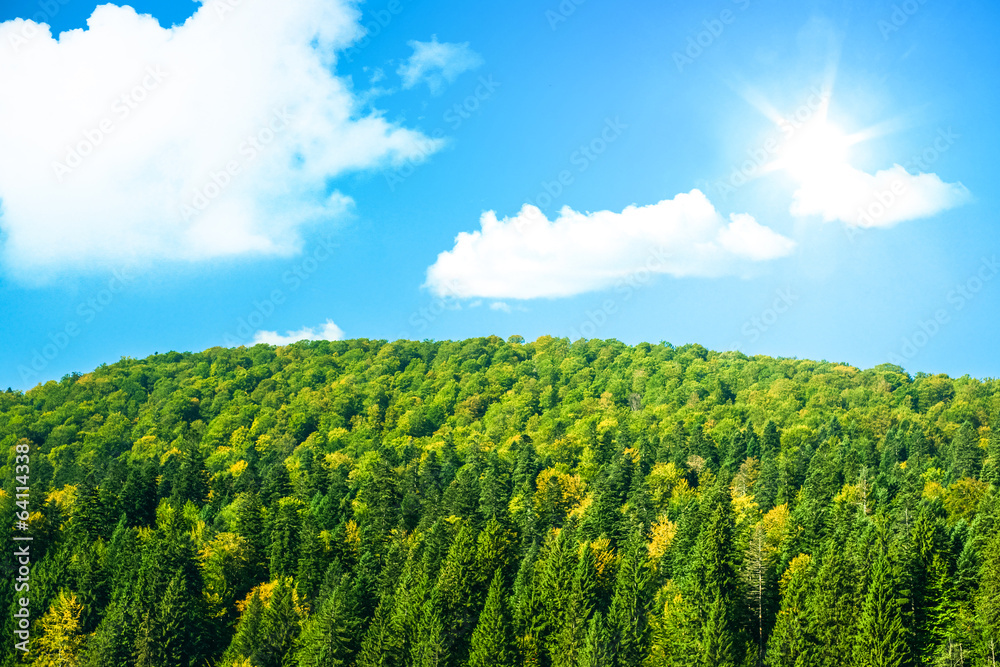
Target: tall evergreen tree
[
  {"x": 628, "y": 615},
  {"x": 491, "y": 639},
  {"x": 881, "y": 640}
]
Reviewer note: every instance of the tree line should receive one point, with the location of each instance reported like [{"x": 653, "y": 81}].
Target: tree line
[{"x": 502, "y": 503}]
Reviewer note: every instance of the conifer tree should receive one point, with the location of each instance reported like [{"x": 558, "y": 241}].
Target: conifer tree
[
  {"x": 966, "y": 454},
  {"x": 597, "y": 644},
  {"x": 881, "y": 639},
  {"x": 788, "y": 644},
  {"x": 61, "y": 640},
  {"x": 279, "y": 628},
  {"x": 491, "y": 639},
  {"x": 988, "y": 605},
  {"x": 173, "y": 634},
  {"x": 628, "y": 614},
  {"x": 248, "y": 632},
  {"x": 382, "y": 646}
]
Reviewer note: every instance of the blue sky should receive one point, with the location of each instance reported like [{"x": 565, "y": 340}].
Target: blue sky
[{"x": 791, "y": 120}]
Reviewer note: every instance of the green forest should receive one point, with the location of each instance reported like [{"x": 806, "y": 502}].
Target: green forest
[{"x": 501, "y": 503}]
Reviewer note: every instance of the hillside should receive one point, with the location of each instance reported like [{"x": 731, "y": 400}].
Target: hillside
[{"x": 496, "y": 503}]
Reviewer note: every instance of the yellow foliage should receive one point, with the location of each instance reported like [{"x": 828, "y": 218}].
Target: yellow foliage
[
  {"x": 799, "y": 563},
  {"x": 61, "y": 642},
  {"x": 581, "y": 509},
  {"x": 353, "y": 537},
  {"x": 963, "y": 497},
  {"x": 237, "y": 468},
  {"x": 64, "y": 497},
  {"x": 667, "y": 483},
  {"x": 776, "y": 523},
  {"x": 571, "y": 488},
  {"x": 263, "y": 590},
  {"x": 663, "y": 534},
  {"x": 744, "y": 480},
  {"x": 933, "y": 491},
  {"x": 604, "y": 560},
  {"x": 173, "y": 451},
  {"x": 848, "y": 495},
  {"x": 338, "y": 459}
]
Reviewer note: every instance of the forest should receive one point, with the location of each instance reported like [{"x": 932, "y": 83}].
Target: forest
[{"x": 491, "y": 503}]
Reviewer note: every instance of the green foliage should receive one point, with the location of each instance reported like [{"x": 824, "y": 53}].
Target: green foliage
[{"x": 507, "y": 503}]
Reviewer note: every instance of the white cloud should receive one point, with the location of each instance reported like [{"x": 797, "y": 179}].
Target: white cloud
[
  {"x": 884, "y": 199},
  {"x": 500, "y": 305},
  {"x": 437, "y": 63},
  {"x": 160, "y": 114},
  {"x": 528, "y": 256},
  {"x": 329, "y": 331}
]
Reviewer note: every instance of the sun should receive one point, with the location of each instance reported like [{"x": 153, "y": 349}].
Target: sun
[{"x": 816, "y": 150}]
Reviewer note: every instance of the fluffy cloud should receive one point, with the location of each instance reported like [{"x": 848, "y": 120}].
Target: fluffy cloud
[
  {"x": 884, "y": 199},
  {"x": 329, "y": 331},
  {"x": 437, "y": 63},
  {"x": 219, "y": 137},
  {"x": 528, "y": 256}
]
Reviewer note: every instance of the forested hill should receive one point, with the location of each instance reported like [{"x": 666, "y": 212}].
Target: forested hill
[{"x": 491, "y": 503}]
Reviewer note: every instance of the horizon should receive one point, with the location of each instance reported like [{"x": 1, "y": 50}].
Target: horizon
[{"x": 807, "y": 181}]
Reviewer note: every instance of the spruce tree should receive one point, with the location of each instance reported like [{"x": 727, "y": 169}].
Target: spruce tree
[
  {"x": 881, "y": 639},
  {"x": 491, "y": 639},
  {"x": 988, "y": 605},
  {"x": 788, "y": 643},
  {"x": 629, "y": 612},
  {"x": 248, "y": 629},
  {"x": 597, "y": 650},
  {"x": 279, "y": 628}
]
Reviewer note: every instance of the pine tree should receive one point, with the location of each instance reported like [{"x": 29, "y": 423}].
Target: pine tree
[
  {"x": 432, "y": 649},
  {"x": 172, "y": 635},
  {"x": 327, "y": 638},
  {"x": 60, "y": 644},
  {"x": 113, "y": 642},
  {"x": 991, "y": 471},
  {"x": 568, "y": 639},
  {"x": 247, "y": 637},
  {"x": 286, "y": 532},
  {"x": 713, "y": 581},
  {"x": 249, "y": 523},
  {"x": 279, "y": 628},
  {"x": 597, "y": 644},
  {"x": 833, "y": 608},
  {"x": 966, "y": 454},
  {"x": 881, "y": 640},
  {"x": 628, "y": 615},
  {"x": 382, "y": 645},
  {"x": 491, "y": 639},
  {"x": 988, "y": 605},
  {"x": 309, "y": 574},
  {"x": 788, "y": 644}
]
